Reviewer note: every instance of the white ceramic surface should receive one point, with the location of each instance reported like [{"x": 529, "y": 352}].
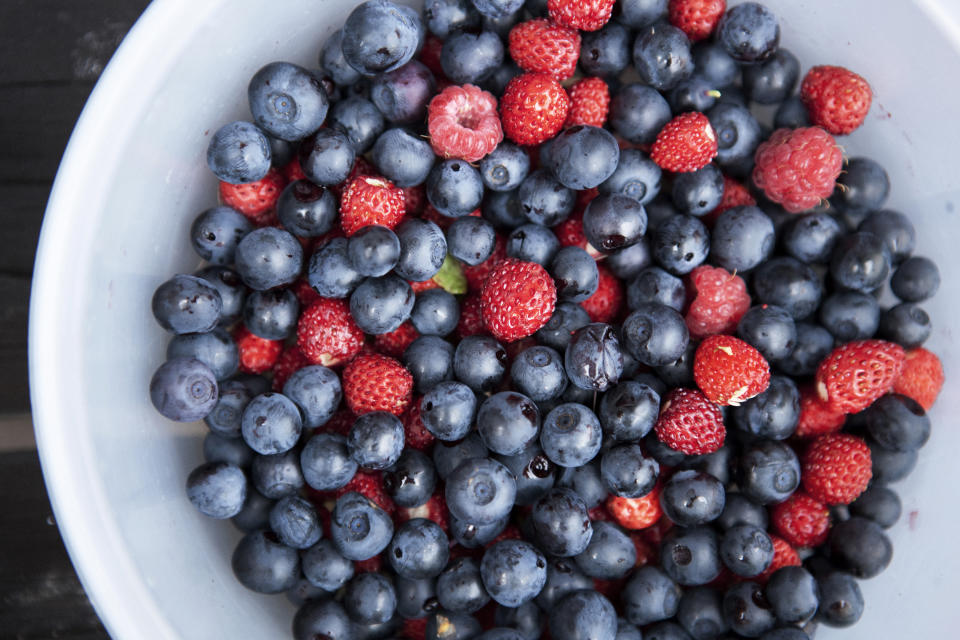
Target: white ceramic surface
[{"x": 134, "y": 176}]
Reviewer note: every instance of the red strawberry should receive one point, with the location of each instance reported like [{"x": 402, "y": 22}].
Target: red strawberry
[
  {"x": 542, "y": 46},
  {"x": 729, "y": 371},
  {"x": 784, "y": 555},
  {"x": 517, "y": 299},
  {"x": 471, "y": 317},
  {"x": 327, "y": 334},
  {"x": 256, "y": 200},
  {"x": 734, "y": 195},
  {"x": 370, "y": 200},
  {"x": 607, "y": 301},
  {"x": 837, "y": 99},
  {"x": 533, "y": 108},
  {"x": 289, "y": 361},
  {"x": 370, "y": 565},
  {"x": 430, "y": 55},
  {"x": 690, "y": 423},
  {"x": 257, "y": 355},
  {"x": 340, "y": 422},
  {"x": 570, "y": 231},
  {"x": 306, "y": 294},
  {"x": 396, "y": 342},
  {"x": 510, "y": 532},
  {"x": 801, "y": 520},
  {"x": 696, "y": 18},
  {"x": 921, "y": 378},
  {"x": 589, "y": 103},
  {"x": 646, "y": 552},
  {"x": 636, "y": 513},
  {"x": 374, "y": 382},
  {"x": 686, "y": 143},
  {"x": 477, "y": 274},
  {"x": 435, "y": 508},
  {"x": 292, "y": 171},
  {"x": 414, "y": 628},
  {"x": 853, "y": 375},
  {"x": 719, "y": 301},
  {"x": 415, "y": 199},
  {"x": 816, "y": 416},
  {"x": 415, "y": 434},
  {"x": 836, "y": 468},
  {"x": 517, "y": 347},
  {"x": 370, "y": 485},
  {"x": 463, "y": 123},
  {"x": 585, "y": 15},
  {"x": 798, "y": 168}
]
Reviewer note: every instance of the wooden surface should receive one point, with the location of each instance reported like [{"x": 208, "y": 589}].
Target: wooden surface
[{"x": 51, "y": 53}]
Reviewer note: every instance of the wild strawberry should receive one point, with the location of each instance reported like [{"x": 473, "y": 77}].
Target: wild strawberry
[
  {"x": 370, "y": 565},
  {"x": 292, "y": 171},
  {"x": 798, "y": 168},
  {"x": 853, "y": 375},
  {"x": 257, "y": 355},
  {"x": 921, "y": 378},
  {"x": 589, "y": 103},
  {"x": 696, "y": 18},
  {"x": 289, "y": 362},
  {"x": 414, "y": 199},
  {"x": 784, "y": 555},
  {"x": 729, "y": 371},
  {"x": 327, "y": 334},
  {"x": 306, "y": 295},
  {"x": 690, "y": 423},
  {"x": 370, "y": 485},
  {"x": 471, "y": 317},
  {"x": 435, "y": 508},
  {"x": 607, "y": 301},
  {"x": 423, "y": 285},
  {"x": 533, "y": 108},
  {"x": 837, "y": 99},
  {"x": 585, "y": 15},
  {"x": 340, "y": 422},
  {"x": 836, "y": 468},
  {"x": 374, "y": 382},
  {"x": 801, "y": 520},
  {"x": 370, "y": 200},
  {"x": 734, "y": 195},
  {"x": 477, "y": 274},
  {"x": 646, "y": 552},
  {"x": 463, "y": 123},
  {"x": 542, "y": 46},
  {"x": 816, "y": 416},
  {"x": 393, "y": 344},
  {"x": 517, "y": 299},
  {"x": 636, "y": 513},
  {"x": 415, "y": 434},
  {"x": 720, "y": 299},
  {"x": 570, "y": 231},
  {"x": 256, "y": 200},
  {"x": 686, "y": 143}
]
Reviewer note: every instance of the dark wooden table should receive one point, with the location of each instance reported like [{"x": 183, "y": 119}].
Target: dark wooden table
[{"x": 51, "y": 54}]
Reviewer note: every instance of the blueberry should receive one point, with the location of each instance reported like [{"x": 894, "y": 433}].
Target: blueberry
[
  {"x": 742, "y": 238},
  {"x": 627, "y": 631},
  {"x": 402, "y": 157},
  {"x": 184, "y": 390},
  {"x": 333, "y": 63},
  {"x": 655, "y": 334},
  {"x": 470, "y": 240},
  {"x": 741, "y": 510},
  {"x": 563, "y": 577},
  {"x": 593, "y": 359},
  {"x": 715, "y": 64},
  {"x": 586, "y": 481},
  {"x": 533, "y": 243},
  {"x": 429, "y": 359},
  {"x": 916, "y": 279},
  {"x": 863, "y": 184},
  {"x": 217, "y": 489},
  {"x": 497, "y": 81},
  {"x": 474, "y": 536},
  {"x": 263, "y": 564},
  {"x": 560, "y": 523},
  {"x": 689, "y": 555},
  {"x": 419, "y": 549},
  {"x": 422, "y": 249},
  {"x": 661, "y": 56},
  {"x": 890, "y": 466},
  {"x": 582, "y": 156},
  {"x": 322, "y": 618},
  {"x": 896, "y": 231},
  {"x": 813, "y": 344},
  {"x": 471, "y": 57},
  {"x": 636, "y": 176},
  {"x": 698, "y": 192},
  {"x": 792, "y": 594},
  {"x": 307, "y": 210},
  {"x": 680, "y": 244},
  {"x": 768, "y": 472},
  {"x": 567, "y": 318},
  {"x": 277, "y": 476},
  {"x": 271, "y": 424},
  {"x": 272, "y": 314},
  {"x": 216, "y": 232},
  {"x": 746, "y": 550},
  {"x": 268, "y": 258},
  {"x": 692, "y": 497},
  {"x": 216, "y": 349},
  {"x": 330, "y": 271},
  {"x": 612, "y": 222},
  {"x": 497, "y": 8},
  {"x": 773, "y": 414},
  {"x": 812, "y": 237},
  {"x": 445, "y": 17},
  {"x": 747, "y": 611},
  {"x": 502, "y": 209},
  {"x": 287, "y": 101},
  {"x": 627, "y": 473},
  {"x": 435, "y": 313},
  {"x": 402, "y": 95},
  {"x": 316, "y": 391},
  {"x": 480, "y": 362},
  {"x": 232, "y": 292},
  {"x": 234, "y": 451},
  {"x": 480, "y": 491},
  {"x": 749, "y": 32},
  {"x": 879, "y": 504},
  {"x": 324, "y": 567},
  {"x": 359, "y": 121},
  {"x": 790, "y": 284},
  {"x": 719, "y": 464},
  {"x": 638, "y": 112},
  {"x": 504, "y": 168},
  {"x": 525, "y": 621},
  {"x": 629, "y": 410},
  {"x": 860, "y": 262},
  {"x": 738, "y": 135},
  {"x": 653, "y": 284},
  {"x": 773, "y": 80},
  {"x": 370, "y": 598},
  {"x": 539, "y": 373},
  {"x": 296, "y": 523},
  {"x": 543, "y": 200},
  {"x": 454, "y": 188},
  {"x": 666, "y": 631},
  {"x": 769, "y": 329},
  {"x": 448, "y": 410},
  {"x": 187, "y": 304},
  {"x": 326, "y": 462},
  {"x": 379, "y": 37},
  {"x": 575, "y": 273},
  {"x": 606, "y": 52},
  {"x": 327, "y": 157},
  {"x": 850, "y": 315},
  {"x": 532, "y": 471},
  {"x": 238, "y": 153},
  {"x": 898, "y": 423},
  {"x": 375, "y": 440},
  {"x": 411, "y": 481},
  {"x": 841, "y": 602},
  {"x": 792, "y": 114},
  {"x": 415, "y": 598},
  {"x": 460, "y": 587},
  {"x": 583, "y": 615},
  {"x": 696, "y": 93},
  {"x": 701, "y": 613},
  {"x": 447, "y": 457},
  {"x": 571, "y": 435},
  {"x": 507, "y": 422},
  {"x": 513, "y": 572},
  {"x": 626, "y": 263},
  {"x": 650, "y": 596},
  {"x": 678, "y": 373},
  {"x": 359, "y": 528},
  {"x": 381, "y": 305}
]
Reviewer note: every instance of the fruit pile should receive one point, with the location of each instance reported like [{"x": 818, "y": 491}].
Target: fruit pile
[{"x": 517, "y": 322}]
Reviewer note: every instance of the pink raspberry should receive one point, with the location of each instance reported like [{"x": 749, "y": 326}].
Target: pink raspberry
[
  {"x": 720, "y": 300},
  {"x": 463, "y": 123},
  {"x": 798, "y": 168}
]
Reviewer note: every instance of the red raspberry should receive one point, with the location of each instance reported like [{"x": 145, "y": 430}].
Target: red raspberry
[
  {"x": 517, "y": 299},
  {"x": 306, "y": 294},
  {"x": 542, "y": 46},
  {"x": 327, "y": 334},
  {"x": 370, "y": 485},
  {"x": 696, "y": 18},
  {"x": 471, "y": 317},
  {"x": 393, "y": 344},
  {"x": 585, "y": 15},
  {"x": 784, "y": 555},
  {"x": 370, "y": 200},
  {"x": 801, "y": 520},
  {"x": 921, "y": 378},
  {"x": 289, "y": 362},
  {"x": 477, "y": 274},
  {"x": 292, "y": 171},
  {"x": 435, "y": 508},
  {"x": 589, "y": 103},
  {"x": 534, "y": 107},
  {"x": 415, "y": 434},
  {"x": 734, "y": 195},
  {"x": 853, "y": 375},
  {"x": 730, "y": 371},
  {"x": 686, "y": 143},
  {"x": 837, "y": 99},
  {"x": 797, "y": 168},
  {"x": 374, "y": 382},
  {"x": 690, "y": 423},
  {"x": 816, "y": 416},
  {"x": 636, "y": 513},
  {"x": 719, "y": 301},
  {"x": 607, "y": 301},
  {"x": 836, "y": 468},
  {"x": 256, "y": 200},
  {"x": 463, "y": 123},
  {"x": 257, "y": 355},
  {"x": 415, "y": 199}
]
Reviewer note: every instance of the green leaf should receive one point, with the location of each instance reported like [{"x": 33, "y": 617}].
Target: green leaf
[{"x": 450, "y": 277}]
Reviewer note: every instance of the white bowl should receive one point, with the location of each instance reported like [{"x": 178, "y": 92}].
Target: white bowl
[{"x": 134, "y": 176}]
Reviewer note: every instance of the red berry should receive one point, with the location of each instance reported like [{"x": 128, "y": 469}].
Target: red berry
[
  {"x": 416, "y": 628},
  {"x": 730, "y": 371},
  {"x": 816, "y": 416},
  {"x": 690, "y": 423},
  {"x": 257, "y": 355},
  {"x": 327, "y": 334},
  {"x": 415, "y": 199},
  {"x": 289, "y": 362},
  {"x": 585, "y": 15},
  {"x": 477, "y": 274},
  {"x": 607, "y": 301},
  {"x": 435, "y": 508},
  {"x": 463, "y": 123},
  {"x": 636, "y": 513},
  {"x": 256, "y": 200},
  {"x": 423, "y": 285},
  {"x": 836, "y": 468},
  {"x": 471, "y": 317},
  {"x": 696, "y": 18},
  {"x": 370, "y": 485},
  {"x": 306, "y": 295},
  {"x": 430, "y": 56},
  {"x": 801, "y": 520},
  {"x": 542, "y": 46},
  {"x": 837, "y": 99},
  {"x": 534, "y": 107},
  {"x": 370, "y": 565},
  {"x": 686, "y": 143},
  {"x": 921, "y": 378},
  {"x": 396, "y": 342},
  {"x": 784, "y": 555},
  {"x": 370, "y": 200},
  {"x": 798, "y": 168},
  {"x": 340, "y": 422},
  {"x": 853, "y": 375},
  {"x": 734, "y": 195},
  {"x": 292, "y": 171},
  {"x": 719, "y": 301},
  {"x": 374, "y": 382},
  {"x": 415, "y": 434},
  {"x": 517, "y": 299},
  {"x": 589, "y": 103}
]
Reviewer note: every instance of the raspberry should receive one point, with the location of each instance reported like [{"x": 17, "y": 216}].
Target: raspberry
[
  {"x": 816, "y": 416},
  {"x": 607, "y": 301},
  {"x": 589, "y": 103},
  {"x": 477, "y": 274},
  {"x": 636, "y": 513},
  {"x": 853, "y": 375},
  {"x": 374, "y": 382},
  {"x": 836, "y": 468},
  {"x": 370, "y": 200},
  {"x": 730, "y": 371},
  {"x": 696, "y": 18},
  {"x": 471, "y": 317},
  {"x": 585, "y": 15},
  {"x": 784, "y": 555},
  {"x": 415, "y": 434},
  {"x": 719, "y": 301},
  {"x": 517, "y": 299},
  {"x": 256, "y": 200},
  {"x": 798, "y": 168},
  {"x": 289, "y": 362},
  {"x": 734, "y": 195},
  {"x": 686, "y": 143},
  {"x": 921, "y": 378},
  {"x": 837, "y": 99},
  {"x": 396, "y": 342},
  {"x": 257, "y": 355},
  {"x": 327, "y": 334},
  {"x": 801, "y": 520},
  {"x": 542, "y": 46},
  {"x": 463, "y": 123},
  {"x": 690, "y": 423},
  {"x": 534, "y": 107}
]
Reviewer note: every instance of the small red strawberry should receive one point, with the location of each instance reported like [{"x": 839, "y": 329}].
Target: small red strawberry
[
  {"x": 370, "y": 565},
  {"x": 289, "y": 361},
  {"x": 374, "y": 382},
  {"x": 517, "y": 299},
  {"x": 720, "y": 299},
  {"x": 471, "y": 317},
  {"x": 542, "y": 46},
  {"x": 533, "y": 108},
  {"x": 784, "y": 555},
  {"x": 430, "y": 55},
  {"x": 696, "y": 18},
  {"x": 463, "y": 123},
  {"x": 393, "y": 344},
  {"x": 646, "y": 552},
  {"x": 415, "y": 199},
  {"x": 257, "y": 355},
  {"x": 729, "y": 371},
  {"x": 921, "y": 378},
  {"x": 570, "y": 231},
  {"x": 636, "y": 513},
  {"x": 370, "y": 485},
  {"x": 306, "y": 295},
  {"x": 686, "y": 143},
  {"x": 256, "y": 200},
  {"x": 340, "y": 422},
  {"x": 836, "y": 468},
  {"x": 607, "y": 301},
  {"x": 801, "y": 520},
  {"x": 690, "y": 423},
  {"x": 734, "y": 195},
  {"x": 798, "y": 168},
  {"x": 585, "y": 15},
  {"x": 435, "y": 508},
  {"x": 816, "y": 416},
  {"x": 327, "y": 334},
  {"x": 589, "y": 103},
  {"x": 853, "y": 375},
  {"x": 370, "y": 200},
  {"x": 477, "y": 274},
  {"x": 415, "y": 434},
  {"x": 292, "y": 171},
  {"x": 837, "y": 99}
]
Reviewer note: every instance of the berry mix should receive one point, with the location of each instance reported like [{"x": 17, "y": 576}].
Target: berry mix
[{"x": 517, "y": 322}]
